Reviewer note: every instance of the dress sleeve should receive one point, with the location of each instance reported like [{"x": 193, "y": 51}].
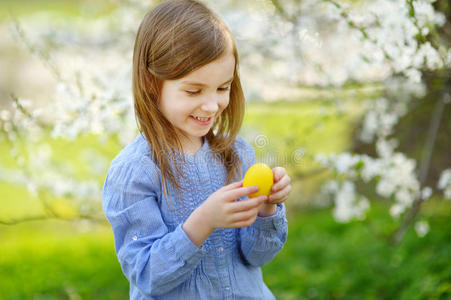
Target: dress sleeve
[
  {"x": 151, "y": 257},
  {"x": 261, "y": 241}
]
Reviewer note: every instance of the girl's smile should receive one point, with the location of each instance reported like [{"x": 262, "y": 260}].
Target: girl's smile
[{"x": 202, "y": 121}]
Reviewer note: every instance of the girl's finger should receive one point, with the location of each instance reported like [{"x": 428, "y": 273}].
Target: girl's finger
[
  {"x": 236, "y": 193},
  {"x": 280, "y": 196},
  {"x": 278, "y": 173},
  {"x": 248, "y": 204},
  {"x": 281, "y": 184},
  {"x": 232, "y": 186},
  {"x": 244, "y": 216}
]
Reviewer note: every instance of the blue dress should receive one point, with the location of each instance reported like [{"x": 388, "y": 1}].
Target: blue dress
[{"x": 156, "y": 255}]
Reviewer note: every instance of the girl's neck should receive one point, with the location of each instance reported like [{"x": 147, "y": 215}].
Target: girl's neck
[{"x": 191, "y": 147}]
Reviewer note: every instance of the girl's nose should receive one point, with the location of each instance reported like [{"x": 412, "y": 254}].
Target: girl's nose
[{"x": 211, "y": 105}]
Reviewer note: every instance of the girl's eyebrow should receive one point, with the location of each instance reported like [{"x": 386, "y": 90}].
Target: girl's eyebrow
[{"x": 201, "y": 84}]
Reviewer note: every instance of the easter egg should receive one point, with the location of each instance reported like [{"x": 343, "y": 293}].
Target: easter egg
[{"x": 260, "y": 175}]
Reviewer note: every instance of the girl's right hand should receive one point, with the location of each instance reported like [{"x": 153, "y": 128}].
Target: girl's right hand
[{"x": 221, "y": 210}]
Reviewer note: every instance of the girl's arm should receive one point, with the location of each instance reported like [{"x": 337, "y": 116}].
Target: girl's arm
[
  {"x": 151, "y": 257},
  {"x": 261, "y": 241}
]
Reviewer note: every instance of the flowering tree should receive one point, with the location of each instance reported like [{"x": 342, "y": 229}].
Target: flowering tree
[
  {"x": 405, "y": 36},
  {"x": 404, "y": 40},
  {"x": 401, "y": 45}
]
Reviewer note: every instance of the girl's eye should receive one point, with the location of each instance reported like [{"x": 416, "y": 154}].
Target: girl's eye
[
  {"x": 192, "y": 92},
  {"x": 224, "y": 89}
]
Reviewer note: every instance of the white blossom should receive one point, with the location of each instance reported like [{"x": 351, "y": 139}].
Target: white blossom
[
  {"x": 348, "y": 204},
  {"x": 331, "y": 187},
  {"x": 422, "y": 228},
  {"x": 345, "y": 161},
  {"x": 380, "y": 119},
  {"x": 322, "y": 159},
  {"x": 396, "y": 210},
  {"x": 371, "y": 168},
  {"x": 426, "y": 193},
  {"x": 426, "y": 53},
  {"x": 395, "y": 175},
  {"x": 444, "y": 183},
  {"x": 385, "y": 148}
]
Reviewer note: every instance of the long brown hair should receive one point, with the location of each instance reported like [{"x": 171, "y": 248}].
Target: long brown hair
[{"x": 174, "y": 39}]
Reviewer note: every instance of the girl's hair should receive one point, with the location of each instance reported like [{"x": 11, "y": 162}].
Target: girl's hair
[{"x": 174, "y": 39}]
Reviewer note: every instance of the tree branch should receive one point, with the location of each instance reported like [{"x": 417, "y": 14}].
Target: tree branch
[
  {"x": 43, "y": 56},
  {"x": 424, "y": 170},
  {"x": 282, "y": 11},
  {"x": 26, "y": 113}
]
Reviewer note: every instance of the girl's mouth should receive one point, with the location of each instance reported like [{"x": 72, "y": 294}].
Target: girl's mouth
[{"x": 201, "y": 121}]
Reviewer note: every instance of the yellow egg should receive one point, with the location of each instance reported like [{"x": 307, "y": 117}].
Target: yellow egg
[{"x": 260, "y": 175}]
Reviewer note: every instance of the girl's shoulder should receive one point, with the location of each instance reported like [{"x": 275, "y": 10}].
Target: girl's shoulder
[
  {"x": 136, "y": 157},
  {"x": 131, "y": 177},
  {"x": 136, "y": 151}
]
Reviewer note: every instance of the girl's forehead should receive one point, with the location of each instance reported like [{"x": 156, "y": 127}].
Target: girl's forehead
[{"x": 222, "y": 68}]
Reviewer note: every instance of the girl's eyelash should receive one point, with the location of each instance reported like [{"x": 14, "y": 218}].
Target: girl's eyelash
[
  {"x": 193, "y": 92},
  {"x": 198, "y": 92}
]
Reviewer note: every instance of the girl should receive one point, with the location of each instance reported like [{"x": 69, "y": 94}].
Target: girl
[{"x": 183, "y": 225}]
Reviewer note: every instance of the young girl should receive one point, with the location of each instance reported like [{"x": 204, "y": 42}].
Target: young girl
[{"x": 183, "y": 225}]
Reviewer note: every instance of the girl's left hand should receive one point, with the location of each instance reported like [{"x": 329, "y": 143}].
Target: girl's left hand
[{"x": 281, "y": 187}]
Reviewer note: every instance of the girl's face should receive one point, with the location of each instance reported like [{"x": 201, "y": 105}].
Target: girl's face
[{"x": 192, "y": 103}]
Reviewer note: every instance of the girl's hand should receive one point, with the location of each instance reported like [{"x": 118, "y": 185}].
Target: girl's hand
[
  {"x": 279, "y": 192},
  {"x": 221, "y": 210}
]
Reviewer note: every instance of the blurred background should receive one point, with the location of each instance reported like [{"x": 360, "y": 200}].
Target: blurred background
[{"x": 351, "y": 97}]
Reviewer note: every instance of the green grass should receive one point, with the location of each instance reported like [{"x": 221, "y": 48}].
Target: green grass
[
  {"x": 322, "y": 259},
  {"x": 326, "y": 260},
  {"x": 49, "y": 263}
]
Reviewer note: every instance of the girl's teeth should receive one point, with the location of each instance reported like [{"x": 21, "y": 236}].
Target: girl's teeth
[{"x": 202, "y": 119}]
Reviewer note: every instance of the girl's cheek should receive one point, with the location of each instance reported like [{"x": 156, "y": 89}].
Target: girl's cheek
[{"x": 224, "y": 102}]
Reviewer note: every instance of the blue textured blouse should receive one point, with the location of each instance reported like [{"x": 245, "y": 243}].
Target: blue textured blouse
[{"x": 155, "y": 254}]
